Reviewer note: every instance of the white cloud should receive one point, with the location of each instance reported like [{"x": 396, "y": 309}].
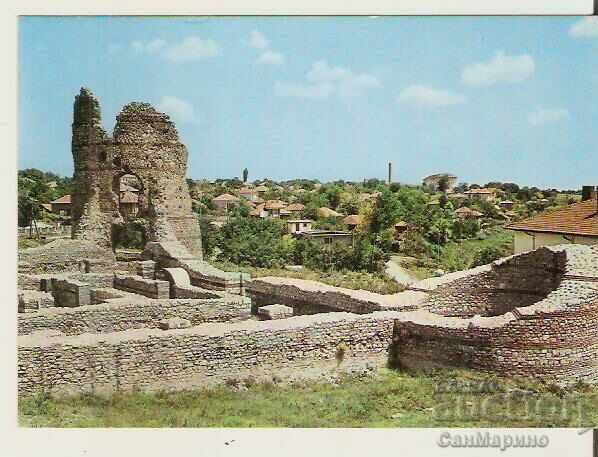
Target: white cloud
[
  {"x": 267, "y": 56},
  {"x": 178, "y": 109},
  {"x": 547, "y": 115},
  {"x": 270, "y": 58},
  {"x": 429, "y": 96},
  {"x": 585, "y": 28},
  {"x": 501, "y": 68},
  {"x": 155, "y": 46},
  {"x": 323, "y": 80},
  {"x": 257, "y": 40},
  {"x": 302, "y": 90},
  {"x": 190, "y": 49}
]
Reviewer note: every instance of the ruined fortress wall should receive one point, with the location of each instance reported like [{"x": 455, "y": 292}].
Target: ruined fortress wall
[
  {"x": 514, "y": 282},
  {"x": 145, "y": 144},
  {"x": 208, "y": 353},
  {"x": 561, "y": 346},
  {"x": 300, "y": 293},
  {"x": 65, "y": 256},
  {"x": 125, "y": 315}
]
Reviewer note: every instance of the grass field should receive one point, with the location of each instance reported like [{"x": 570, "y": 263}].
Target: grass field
[
  {"x": 459, "y": 255},
  {"x": 374, "y": 282},
  {"x": 386, "y": 399}
]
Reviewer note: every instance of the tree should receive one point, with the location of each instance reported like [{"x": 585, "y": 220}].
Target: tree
[
  {"x": 255, "y": 242},
  {"x": 245, "y": 175},
  {"x": 443, "y": 183}
]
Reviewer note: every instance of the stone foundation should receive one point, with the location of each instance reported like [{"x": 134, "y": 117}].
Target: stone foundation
[
  {"x": 147, "y": 287},
  {"x": 128, "y": 313}
]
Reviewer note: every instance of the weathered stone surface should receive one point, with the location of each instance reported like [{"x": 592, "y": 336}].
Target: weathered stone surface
[
  {"x": 144, "y": 144},
  {"x": 63, "y": 255},
  {"x": 133, "y": 311},
  {"x": 274, "y": 311},
  {"x": 33, "y": 300},
  {"x": 70, "y": 293},
  {"x": 151, "y": 288},
  {"x": 174, "y": 323}
]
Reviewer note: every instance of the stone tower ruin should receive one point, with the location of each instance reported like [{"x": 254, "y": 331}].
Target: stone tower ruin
[{"x": 144, "y": 144}]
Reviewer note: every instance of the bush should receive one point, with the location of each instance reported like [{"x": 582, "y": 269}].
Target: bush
[
  {"x": 487, "y": 255},
  {"x": 255, "y": 242}
]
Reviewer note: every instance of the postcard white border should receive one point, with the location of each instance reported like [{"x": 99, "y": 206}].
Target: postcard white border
[{"x": 219, "y": 442}]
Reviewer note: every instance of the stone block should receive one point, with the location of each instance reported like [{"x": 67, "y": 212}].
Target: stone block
[
  {"x": 32, "y": 300},
  {"x": 174, "y": 323},
  {"x": 271, "y": 312}
]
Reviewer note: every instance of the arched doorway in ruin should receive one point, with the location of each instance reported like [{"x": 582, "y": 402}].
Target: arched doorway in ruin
[{"x": 130, "y": 226}]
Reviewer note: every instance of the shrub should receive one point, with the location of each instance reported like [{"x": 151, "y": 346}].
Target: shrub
[
  {"x": 487, "y": 255},
  {"x": 341, "y": 351}
]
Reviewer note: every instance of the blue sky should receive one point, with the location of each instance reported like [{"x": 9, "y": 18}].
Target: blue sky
[{"x": 510, "y": 99}]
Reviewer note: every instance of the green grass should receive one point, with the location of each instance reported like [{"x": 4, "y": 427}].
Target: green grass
[
  {"x": 374, "y": 282},
  {"x": 388, "y": 399},
  {"x": 459, "y": 255}
]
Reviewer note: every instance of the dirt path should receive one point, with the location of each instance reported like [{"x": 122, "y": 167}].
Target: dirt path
[{"x": 398, "y": 273}]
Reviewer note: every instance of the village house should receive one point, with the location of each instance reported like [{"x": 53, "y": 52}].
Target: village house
[
  {"x": 506, "y": 205},
  {"x": 261, "y": 190},
  {"x": 274, "y": 207},
  {"x": 299, "y": 225},
  {"x": 328, "y": 237},
  {"x": 401, "y": 227},
  {"x": 225, "y": 202},
  {"x": 258, "y": 211},
  {"x": 352, "y": 221},
  {"x": 248, "y": 194},
  {"x": 62, "y": 206},
  {"x": 432, "y": 182},
  {"x": 484, "y": 194},
  {"x": 467, "y": 213},
  {"x": 129, "y": 204},
  {"x": 575, "y": 223},
  {"x": 327, "y": 212},
  {"x": 295, "y": 208}
]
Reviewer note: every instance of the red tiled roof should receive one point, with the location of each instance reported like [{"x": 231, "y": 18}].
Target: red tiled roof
[
  {"x": 353, "y": 219},
  {"x": 481, "y": 191},
  {"x": 129, "y": 197},
  {"x": 63, "y": 199},
  {"x": 576, "y": 219},
  {"x": 275, "y": 204},
  {"x": 226, "y": 197},
  {"x": 327, "y": 212},
  {"x": 468, "y": 211},
  {"x": 295, "y": 207}
]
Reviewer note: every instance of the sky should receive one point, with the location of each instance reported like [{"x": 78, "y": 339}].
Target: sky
[{"x": 511, "y": 99}]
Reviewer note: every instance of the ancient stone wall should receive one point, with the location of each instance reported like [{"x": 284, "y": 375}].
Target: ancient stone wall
[
  {"x": 145, "y": 144},
  {"x": 129, "y": 314},
  {"x": 554, "y": 339},
  {"x": 200, "y": 355},
  {"x": 513, "y": 282},
  {"x": 311, "y": 296},
  {"x": 147, "y": 287},
  {"x": 65, "y": 256}
]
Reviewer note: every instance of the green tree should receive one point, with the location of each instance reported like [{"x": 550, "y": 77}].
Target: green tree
[{"x": 255, "y": 242}]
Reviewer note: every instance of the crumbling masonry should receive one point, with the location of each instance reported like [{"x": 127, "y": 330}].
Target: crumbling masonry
[
  {"x": 146, "y": 145},
  {"x": 169, "y": 320}
]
